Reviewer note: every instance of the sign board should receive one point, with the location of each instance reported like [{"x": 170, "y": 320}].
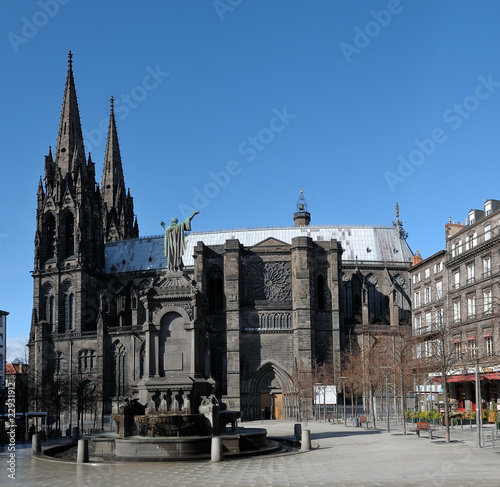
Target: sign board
[{"x": 325, "y": 395}]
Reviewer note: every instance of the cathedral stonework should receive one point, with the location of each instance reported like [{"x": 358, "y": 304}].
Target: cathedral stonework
[{"x": 242, "y": 312}]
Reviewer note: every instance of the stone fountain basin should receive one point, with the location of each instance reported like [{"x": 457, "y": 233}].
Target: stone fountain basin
[{"x": 242, "y": 442}]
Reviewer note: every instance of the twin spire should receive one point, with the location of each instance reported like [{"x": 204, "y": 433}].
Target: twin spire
[
  {"x": 118, "y": 206},
  {"x": 70, "y": 152}
]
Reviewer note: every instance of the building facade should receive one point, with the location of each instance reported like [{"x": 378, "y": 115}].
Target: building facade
[
  {"x": 250, "y": 309},
  {"x": 457, "y": 290}
]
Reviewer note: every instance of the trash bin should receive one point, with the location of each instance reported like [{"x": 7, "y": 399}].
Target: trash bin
[{"x": 355, "y": 421}]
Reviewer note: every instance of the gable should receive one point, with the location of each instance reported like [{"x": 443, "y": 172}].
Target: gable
[{"x": 271, "y": 243}]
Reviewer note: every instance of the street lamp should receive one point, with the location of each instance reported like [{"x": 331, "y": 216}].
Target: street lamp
[
  {"x": 479, "y": 412},
  {"x": 386, "y": 374},
  {"x": 343, "y": 379}
]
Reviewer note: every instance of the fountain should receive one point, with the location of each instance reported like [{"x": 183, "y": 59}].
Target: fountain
[
  {"x": 174, "y": 411},
  {"x": 163, "y": 435}
]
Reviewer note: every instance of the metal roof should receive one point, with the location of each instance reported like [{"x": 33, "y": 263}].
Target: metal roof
[{"x": 366, "y": 244}]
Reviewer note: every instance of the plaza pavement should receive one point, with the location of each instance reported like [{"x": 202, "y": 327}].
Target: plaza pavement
[{"x": 341, "y": 456}]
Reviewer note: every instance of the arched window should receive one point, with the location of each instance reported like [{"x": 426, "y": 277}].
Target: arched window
[
  {"x": 50, "y": 308},
  {"x": 50, "y": 225},
  {"x": 69, "y": 308},
  {"x": 347, "y": 296},
  {"x": 104, "y": 303},
  {"x": 401, "y": 298},
  {"x": 69, "y": 235},
  {"x": 86, "y": 359},
  {"x": 120, "y": 369},
  {"x": 321, "y": 292},
  {"x": 373, "y": 298},
  {"x": 215, "y": 289},
  {"x": 59, "y": 362}
]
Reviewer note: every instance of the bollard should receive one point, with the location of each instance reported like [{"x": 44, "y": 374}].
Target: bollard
[
  {"x": 305, "y": 444},
  {"x": 216, "y": 452},
  {"x": 74, "y": 434},
  {"x": 82, "y": 455},
  {"x": 297, "y": 431},
  {"x": 36, "y": 443}
]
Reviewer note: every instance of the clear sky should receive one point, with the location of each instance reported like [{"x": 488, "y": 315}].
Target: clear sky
[{"x": 231, "y": 106}]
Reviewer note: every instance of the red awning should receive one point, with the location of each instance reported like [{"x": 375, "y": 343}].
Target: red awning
[
  {"x": 469, "y": 377},
  {"x": 461, "y": 378},
  {"x": 492, "y": 376}
]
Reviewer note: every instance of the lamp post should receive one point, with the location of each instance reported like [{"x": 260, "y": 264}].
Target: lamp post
[
  {"x": 479, "y": 418},
  {"x": 343, "y": 398},
  {"x": 386, "y": 374},
  {"x": 387, "y": 403}
]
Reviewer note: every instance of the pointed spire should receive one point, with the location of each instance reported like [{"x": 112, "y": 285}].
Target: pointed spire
[
  {"x": 113, "y": 182},
  {"x": 116, "y": 203},
  {"x": 40, "y": 192},
  {"x": 70, "y": 137}
]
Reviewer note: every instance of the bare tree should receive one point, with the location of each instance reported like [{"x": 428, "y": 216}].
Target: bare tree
[
  {"x": 302, "y": 387},
  {"x": 352, "y": 371},
  {"x": 397, "y": 356}
]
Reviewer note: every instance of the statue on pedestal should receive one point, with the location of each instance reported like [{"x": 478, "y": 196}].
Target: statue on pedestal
[{"x": 175, "y": 241}]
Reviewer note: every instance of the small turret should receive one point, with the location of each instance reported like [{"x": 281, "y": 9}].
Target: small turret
[{"x": 302, "y": 217}]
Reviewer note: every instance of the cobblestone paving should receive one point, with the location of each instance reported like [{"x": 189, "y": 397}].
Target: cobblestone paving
[{"x": 340, "y": 457}]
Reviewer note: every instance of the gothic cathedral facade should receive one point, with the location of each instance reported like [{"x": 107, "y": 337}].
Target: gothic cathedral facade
[{"x": 251, "y": 309}]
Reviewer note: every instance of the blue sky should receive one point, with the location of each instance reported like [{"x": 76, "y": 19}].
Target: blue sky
[{"x": 232, "y": 106}]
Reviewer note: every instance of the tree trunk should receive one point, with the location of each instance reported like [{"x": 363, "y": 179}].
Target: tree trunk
[
  {"x": 446, "y": 409},
  {"x": 403, "y": 401}
]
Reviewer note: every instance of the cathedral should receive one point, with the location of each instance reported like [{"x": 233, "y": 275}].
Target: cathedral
[{"x": 242, "y": 315}]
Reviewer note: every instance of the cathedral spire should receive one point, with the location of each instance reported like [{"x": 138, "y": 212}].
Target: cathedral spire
[
  {"x": 70, "y": 149},
  {"x": 117, "y": 206},
  {"x": 113, "y": 182}
]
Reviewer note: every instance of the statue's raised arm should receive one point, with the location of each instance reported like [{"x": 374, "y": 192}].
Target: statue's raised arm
[{"x": 175, "y": 241}]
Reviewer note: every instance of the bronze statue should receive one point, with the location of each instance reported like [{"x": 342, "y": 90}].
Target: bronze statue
[{"x": 175, "y": 241}]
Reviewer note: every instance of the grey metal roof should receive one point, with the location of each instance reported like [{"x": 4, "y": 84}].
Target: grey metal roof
[{"x": 364, "y": 244}]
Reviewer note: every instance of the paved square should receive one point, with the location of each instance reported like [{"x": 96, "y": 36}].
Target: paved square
[{"x": 341, "y": 456}]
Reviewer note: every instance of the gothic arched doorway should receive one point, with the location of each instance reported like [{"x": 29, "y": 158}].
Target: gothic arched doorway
[{"x": 269, "y": 383}]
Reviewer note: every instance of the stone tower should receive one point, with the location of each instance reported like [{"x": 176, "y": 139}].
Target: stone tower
[
  {"x": 69, "y": 243},
  {"x": 118, "y": 205}
]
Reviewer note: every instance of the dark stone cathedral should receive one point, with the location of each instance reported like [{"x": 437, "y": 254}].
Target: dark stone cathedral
[{"x": 249, "y": 309}]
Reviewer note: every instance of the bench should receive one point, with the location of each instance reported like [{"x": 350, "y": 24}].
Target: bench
[{"x": 423, "y": 427}]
